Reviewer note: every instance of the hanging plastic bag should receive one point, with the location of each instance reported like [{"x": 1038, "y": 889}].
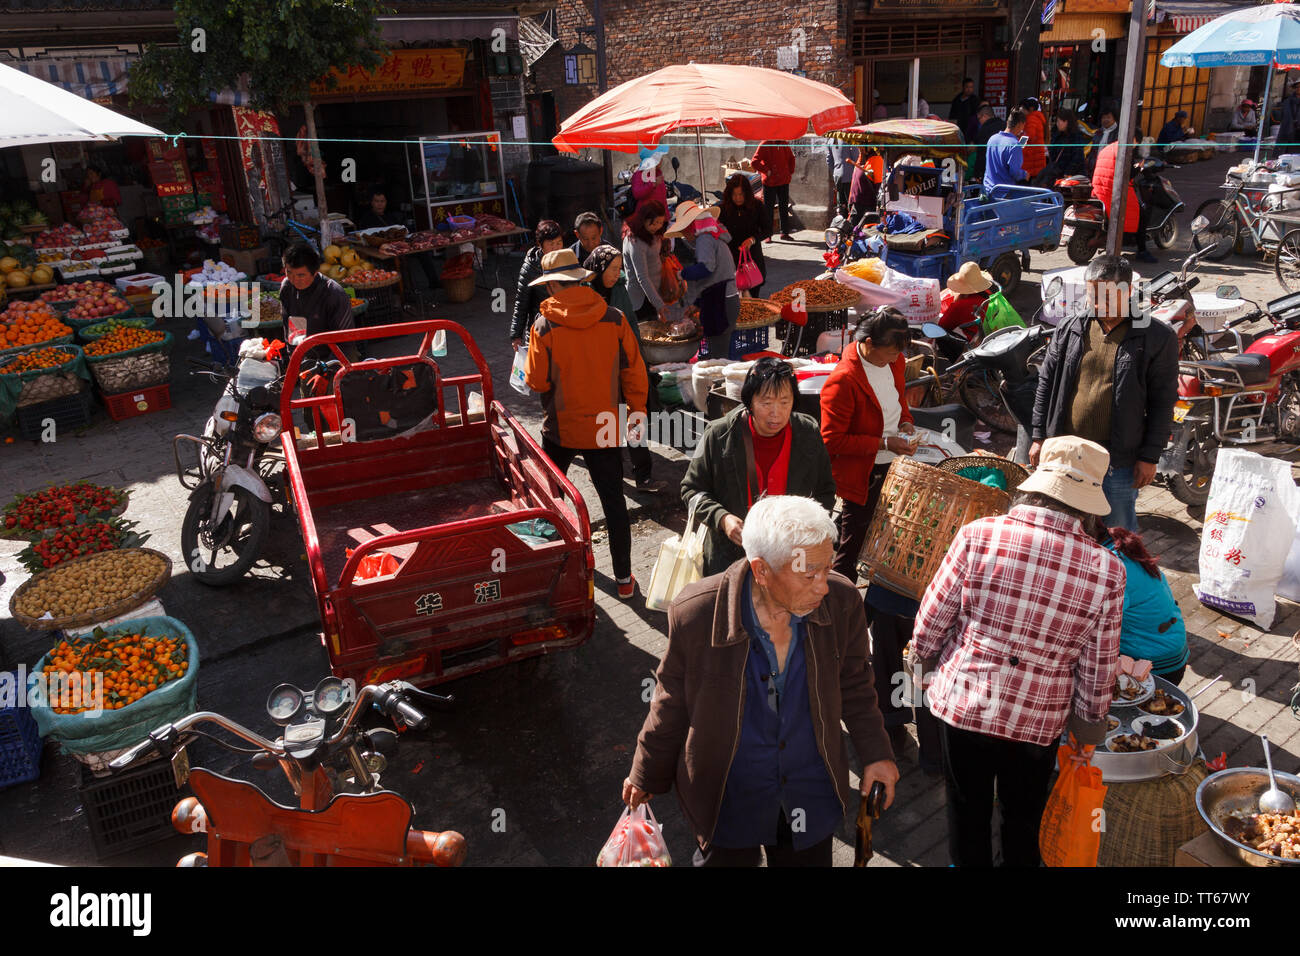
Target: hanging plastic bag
[
  {"x": 637, "y": 840},
  {"x": 1070, "y": 834},
  {"x": 680, "y": 562},
  {"x": 517, "y": 380},
  {"x": 1000, "y": 314},
  {"x": 747, "y": 274},
  {"x": 1247, "y": 534},
  {"x": 376, "y": 564}
]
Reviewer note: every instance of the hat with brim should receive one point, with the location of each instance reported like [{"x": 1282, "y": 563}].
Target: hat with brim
[
  {"x": 687, "y": 212},
  {"x": 1071, "y": 470},
  {"x": 561, "y": 266},
  {"x": 969, "y": 279}
]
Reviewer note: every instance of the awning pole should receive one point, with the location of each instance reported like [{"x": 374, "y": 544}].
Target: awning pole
[
  {"x": 699, "y": 155},
  {"x": 1264, "y": 111},
  {"x": 1127, "y": 127}
]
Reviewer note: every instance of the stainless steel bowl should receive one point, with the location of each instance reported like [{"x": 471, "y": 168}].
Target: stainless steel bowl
[{"x": 1238, "y": 788}]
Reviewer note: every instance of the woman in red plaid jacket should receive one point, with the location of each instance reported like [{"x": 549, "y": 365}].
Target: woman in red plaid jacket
[{"x": 1019, "y": 631}]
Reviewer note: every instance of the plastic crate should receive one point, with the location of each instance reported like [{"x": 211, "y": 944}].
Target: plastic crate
[
  {"x": 130, "y": 809},
  {"x": 139, "y": 402},
  {"x": 745, "y": 341},
  {"x": 70, "y": 411},
  {"x": 935, "y": 265},
  {"x": 20, "y": 745}
]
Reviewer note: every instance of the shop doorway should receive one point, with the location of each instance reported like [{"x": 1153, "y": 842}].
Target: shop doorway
[
  {"x": 905, "y": 82},
  {"x": 910, "y": 60},
  {"x": 1166, "y": 91}
]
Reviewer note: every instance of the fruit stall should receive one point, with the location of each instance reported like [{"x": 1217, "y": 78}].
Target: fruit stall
[{"x": 114, "y": 665}]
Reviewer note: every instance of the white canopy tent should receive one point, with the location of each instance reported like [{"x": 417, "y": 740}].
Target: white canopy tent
[{"x": 39, "y": 112}]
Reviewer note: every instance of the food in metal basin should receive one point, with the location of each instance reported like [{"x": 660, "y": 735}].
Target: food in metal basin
[
  {"x": 1271, "y": 833},
  {"x": 1162, "y": 730},
  {"x": 1126, "y": 688},
  {"x": 1131, "y": 744}
]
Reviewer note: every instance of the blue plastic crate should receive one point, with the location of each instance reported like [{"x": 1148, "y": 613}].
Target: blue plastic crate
[
  {"x": 744, "y": 341},
  {"x": 20, "y": 745},
  {"x": 934, "y": 265}
]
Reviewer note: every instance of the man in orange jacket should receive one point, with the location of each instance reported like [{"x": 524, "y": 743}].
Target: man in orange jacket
[
  {"x": 581, "y": 354},
  {"x": 1034, "y": 159}
]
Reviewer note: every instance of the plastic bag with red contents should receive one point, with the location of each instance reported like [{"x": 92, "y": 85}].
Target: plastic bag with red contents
[
  {"x": 637, "y": 840},
  {"x": 376, "y": 564}
]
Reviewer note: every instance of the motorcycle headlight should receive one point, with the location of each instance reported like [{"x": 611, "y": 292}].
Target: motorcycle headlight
[
  {"x": 267, "y": 427},
  {"x": 832, "y": 238}
]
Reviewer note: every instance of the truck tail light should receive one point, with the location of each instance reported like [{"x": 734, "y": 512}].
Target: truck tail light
[{"x": 537, "y": 635}]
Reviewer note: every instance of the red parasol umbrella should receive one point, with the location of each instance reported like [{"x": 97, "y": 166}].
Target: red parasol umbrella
[{"x": 749, "y": 102}]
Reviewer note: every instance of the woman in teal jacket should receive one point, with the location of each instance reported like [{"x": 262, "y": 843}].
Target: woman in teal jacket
[{"x": 1153, "y": 628}]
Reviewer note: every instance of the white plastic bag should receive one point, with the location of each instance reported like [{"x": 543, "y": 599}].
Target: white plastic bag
[
  {"x": 872, "y": 295},
  {"x": 517, "y": 381},
  {"x": 636, "y": 840},
  {"x": 920, "y": 297},
  {"x": 1247, "y": 535},
  {"x": 706, "y": 374},
  {"x": 680, "y": 562}
]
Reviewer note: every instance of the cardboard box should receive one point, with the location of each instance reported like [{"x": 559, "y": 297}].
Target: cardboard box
[
  {"x": 245, "y": 260},
  {"x": 138, "y": 278},
  {"x": 1207, "y": 850}
]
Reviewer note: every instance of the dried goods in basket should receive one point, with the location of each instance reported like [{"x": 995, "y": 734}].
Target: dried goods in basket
[
  {"x": 92, "y": 588},
  {"x": 920, "y": 511},
  {"x": 818, "y": 295},
  {"x": 757, "y": 313}
]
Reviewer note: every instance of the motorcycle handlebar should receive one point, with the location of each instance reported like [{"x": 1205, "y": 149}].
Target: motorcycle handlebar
[{"x": 1242, "y": 319}]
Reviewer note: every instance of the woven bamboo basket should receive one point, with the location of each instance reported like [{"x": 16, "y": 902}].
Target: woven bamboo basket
[
  {"x": 459, "y": 290},
  {"x": 1147, "y": 822},
  {"x": 920, "y": 511},
  {"x": 1014, "y": 473},
  {"x": 128, "y": 603}
]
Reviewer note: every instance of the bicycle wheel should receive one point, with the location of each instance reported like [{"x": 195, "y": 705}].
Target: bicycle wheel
[
  {"x": 1220, "y": 236},
  {"x": 979, "y": 392},
  {"x": 1287, "y": 265}
]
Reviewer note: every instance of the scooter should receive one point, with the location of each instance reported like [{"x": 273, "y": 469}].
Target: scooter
[
  {"x": 1084, "y": 231},
  {"x": 1239, "y": 396},
  {"x": 343, "y": 818},
  {"x": 233, "y": 476}
]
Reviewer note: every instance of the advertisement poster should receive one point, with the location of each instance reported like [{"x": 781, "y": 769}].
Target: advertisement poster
[{"x": 997, "y": 73}]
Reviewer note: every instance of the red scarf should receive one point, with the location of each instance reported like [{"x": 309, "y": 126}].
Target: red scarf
[{"x": 772, "y": 482}]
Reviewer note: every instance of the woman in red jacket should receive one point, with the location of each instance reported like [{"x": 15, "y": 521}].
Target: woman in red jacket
[
  {"x": 774, "y": 160},
  {"x": 864, "y": 416},
  {"x": 1034, "y": 156}
]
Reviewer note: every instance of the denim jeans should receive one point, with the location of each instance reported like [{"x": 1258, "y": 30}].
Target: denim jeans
[{"x": 1119, "y": 491}]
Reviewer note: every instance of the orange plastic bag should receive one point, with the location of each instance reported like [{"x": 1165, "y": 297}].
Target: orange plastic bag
[{"x": 1070, "y": 834}]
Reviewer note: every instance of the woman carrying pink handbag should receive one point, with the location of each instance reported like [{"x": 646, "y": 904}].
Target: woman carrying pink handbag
[{"x": 742, "y": 216}]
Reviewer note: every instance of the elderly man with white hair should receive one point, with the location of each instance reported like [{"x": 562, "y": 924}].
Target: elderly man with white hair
[{"x": 764, "y": 663}]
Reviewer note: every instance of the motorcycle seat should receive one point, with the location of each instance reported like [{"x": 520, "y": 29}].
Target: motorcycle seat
[{"x": 1253, "y": 369}]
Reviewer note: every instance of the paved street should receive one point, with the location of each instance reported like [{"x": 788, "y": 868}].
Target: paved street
[{"x": 550, "y": 744}]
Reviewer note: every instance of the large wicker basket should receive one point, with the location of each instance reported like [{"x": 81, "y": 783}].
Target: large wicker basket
[
  {"x": 459, "y": 290},
  {"x": 920, "y": 511}
]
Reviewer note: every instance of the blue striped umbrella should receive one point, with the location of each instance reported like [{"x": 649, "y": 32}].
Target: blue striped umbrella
[{"x": 1252, "y": 36}]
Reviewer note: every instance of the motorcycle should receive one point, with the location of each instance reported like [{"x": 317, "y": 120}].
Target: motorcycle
[
  {"x": 1243, "y": 395},
  {"x": 1086, "y": 224},
  {"x": 343, "y": 818},
  {"x": 237, "y": 476}
]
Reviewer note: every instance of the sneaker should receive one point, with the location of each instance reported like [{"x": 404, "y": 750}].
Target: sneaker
[
  {"x": 1145, "y": 256},
  {"x": 627, "y": 589},
  {"x": 652, "y": 485}
]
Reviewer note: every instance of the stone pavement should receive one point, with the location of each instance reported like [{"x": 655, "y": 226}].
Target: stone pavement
[{"x": 549, "y": 742}]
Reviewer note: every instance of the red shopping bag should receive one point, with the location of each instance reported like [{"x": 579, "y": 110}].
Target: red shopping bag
[
  {"x": 1070, "y": 834},
  {"x": 376, "y": 564}
]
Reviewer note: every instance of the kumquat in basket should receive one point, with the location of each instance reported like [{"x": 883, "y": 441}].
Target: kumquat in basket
[
  {"x": 36, "y": 359},
  {"x": 131, "y": 665},
  {"x": 122, "y": 340}
]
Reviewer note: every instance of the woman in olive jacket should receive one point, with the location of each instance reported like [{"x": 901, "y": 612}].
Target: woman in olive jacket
[{"x": 761, "y": 447}]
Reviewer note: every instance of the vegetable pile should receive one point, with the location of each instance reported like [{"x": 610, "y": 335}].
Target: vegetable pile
[
  {"x": 77, "y": 540},
  {"x": 131, "y": 665},
  {"x": 30, "y": 323}
]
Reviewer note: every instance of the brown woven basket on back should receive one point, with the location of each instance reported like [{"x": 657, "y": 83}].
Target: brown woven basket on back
[{"x": 920, "y": 511}]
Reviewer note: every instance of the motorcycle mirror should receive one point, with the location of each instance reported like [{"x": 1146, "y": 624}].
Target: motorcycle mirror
[
  {"x": 1200, "y": 224},
  {"x": 1228, "y": 292},
  {"x": 932, "y": 330},
  {"x": 1053, "y": 288},
  {"x": 676, "y": 165}
]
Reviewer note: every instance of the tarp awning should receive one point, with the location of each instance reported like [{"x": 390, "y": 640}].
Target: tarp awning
[
  {"x": 1184, "y": 16},
  {"x": 92, "y": 79},
  {"x": 1079, "y": 28}
]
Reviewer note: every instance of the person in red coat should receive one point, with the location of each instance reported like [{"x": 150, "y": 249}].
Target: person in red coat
[
  {"x": 1103, "y": 183},
  {"x": 774, "y": 160},
  {"x": 864, "y": 419},
  {"x": 1034, "y": 159}
]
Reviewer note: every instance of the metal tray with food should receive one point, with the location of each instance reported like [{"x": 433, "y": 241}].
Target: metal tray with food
[
  {"x": 1168, "y": 755},
  {"x": 1229, "y": 802},
  {"x": 1130, "y": 692}
]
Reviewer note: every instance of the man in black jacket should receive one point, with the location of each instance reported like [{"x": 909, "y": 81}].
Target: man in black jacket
[
  {"x": 376, "y": 216},
  {"x": 1111, "y": 377},
  {"x": 987, "y": 124}
]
